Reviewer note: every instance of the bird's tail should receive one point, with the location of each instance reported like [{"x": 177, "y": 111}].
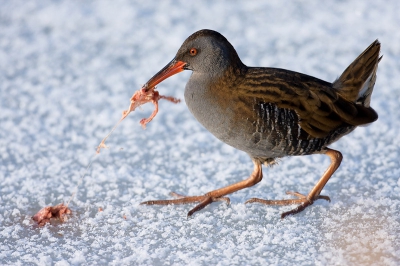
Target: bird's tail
[{"x": 358, "y": 80}]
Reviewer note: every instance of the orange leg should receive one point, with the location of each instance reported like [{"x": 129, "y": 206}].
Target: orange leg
[
  {"x": 313, "y": 195},
  {"x": 215, "y": 195}
]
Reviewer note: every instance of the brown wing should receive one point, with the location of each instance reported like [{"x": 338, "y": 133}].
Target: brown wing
[{"x": 319, "y": 107}]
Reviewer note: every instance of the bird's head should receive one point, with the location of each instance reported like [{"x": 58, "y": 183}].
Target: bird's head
[{"x": 205, "y": 51}]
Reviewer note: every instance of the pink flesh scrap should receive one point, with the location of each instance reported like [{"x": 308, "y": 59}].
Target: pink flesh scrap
[
  {"x": 44, "y": 215},
  {"x": 140, "y": 97}
]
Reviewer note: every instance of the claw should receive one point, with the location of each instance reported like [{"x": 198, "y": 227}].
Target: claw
[{"x": 298, "y": 209}]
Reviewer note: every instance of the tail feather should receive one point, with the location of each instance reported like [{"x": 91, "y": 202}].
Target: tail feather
[
  {"x": 358, "y": 80},
  {"x": 364, "y": 96}
]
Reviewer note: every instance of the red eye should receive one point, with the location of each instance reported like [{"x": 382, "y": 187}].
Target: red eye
[{"x": 193, "y": 52}]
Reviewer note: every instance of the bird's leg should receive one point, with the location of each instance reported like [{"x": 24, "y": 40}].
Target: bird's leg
[
  {"x": 313, "y": 195},
  {"x": 215, "y": 195}
]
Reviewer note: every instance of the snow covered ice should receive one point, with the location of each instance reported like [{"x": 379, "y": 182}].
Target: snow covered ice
[{"x": 68, "y": 70}]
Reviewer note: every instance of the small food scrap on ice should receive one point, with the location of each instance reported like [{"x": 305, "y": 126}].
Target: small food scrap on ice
[{"x": 44, "y": 215}]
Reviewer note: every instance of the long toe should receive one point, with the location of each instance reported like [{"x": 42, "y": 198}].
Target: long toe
[
  {"x": 202, "y": 201},
  {"x": 302, "y": 201}
]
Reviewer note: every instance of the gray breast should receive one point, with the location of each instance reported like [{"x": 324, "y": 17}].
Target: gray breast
[{"x": 205, "y": 107}]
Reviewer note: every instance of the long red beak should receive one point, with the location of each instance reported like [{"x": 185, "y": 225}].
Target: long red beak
[{"x": 174, "y": 67}]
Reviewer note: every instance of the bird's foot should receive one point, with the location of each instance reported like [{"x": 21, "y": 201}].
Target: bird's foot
[
  {"x": 303, "y": 201},
  {"x": 203, "y": 201}
]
